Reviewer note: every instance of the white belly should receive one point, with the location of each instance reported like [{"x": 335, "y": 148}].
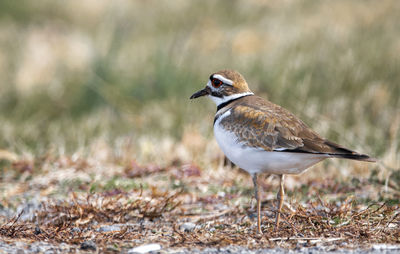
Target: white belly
[{"x": 255, "y": 160}]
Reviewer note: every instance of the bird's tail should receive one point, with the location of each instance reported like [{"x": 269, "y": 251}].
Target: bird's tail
[{"x": 342, "y": 152}]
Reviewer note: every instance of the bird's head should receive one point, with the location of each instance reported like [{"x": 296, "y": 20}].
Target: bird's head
[{"x": 224, "y": 86}]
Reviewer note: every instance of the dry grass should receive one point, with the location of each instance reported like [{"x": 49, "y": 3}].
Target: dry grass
[{"x": 317, "y": 212}]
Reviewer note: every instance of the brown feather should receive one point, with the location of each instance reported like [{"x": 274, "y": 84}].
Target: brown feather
[{"x": 262, "y": 124}]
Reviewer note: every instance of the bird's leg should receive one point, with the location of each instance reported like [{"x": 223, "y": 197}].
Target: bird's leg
[
  {"x": 257, "y": 196},
  {"x": 280, "y": 196}
]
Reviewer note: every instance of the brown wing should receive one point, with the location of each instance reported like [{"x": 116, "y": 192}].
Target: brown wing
[
  {"x": 273, "y": 128},
  {"x": 264, "y": 124}
]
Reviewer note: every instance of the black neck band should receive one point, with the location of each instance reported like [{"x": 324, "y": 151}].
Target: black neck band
[{"x": 230, "y": 101}]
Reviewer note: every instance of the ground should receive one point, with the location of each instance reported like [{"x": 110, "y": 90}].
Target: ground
[{"x": 183, "y": 206}]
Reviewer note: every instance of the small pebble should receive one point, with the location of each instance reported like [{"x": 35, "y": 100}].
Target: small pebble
[
  {"x": 75, "y": 230},
  {"x": 145, "y": 248},
  {"x": 88, "y": 245},
  {"x": 188, "y": 226},
  {"x": 109, "y": 228},
  {"x": 384, "y": 246},
  {"x": 37, "y": 230}
]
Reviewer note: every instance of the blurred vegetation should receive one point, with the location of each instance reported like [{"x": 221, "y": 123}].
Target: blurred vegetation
[{"x": 75, "y": 71}]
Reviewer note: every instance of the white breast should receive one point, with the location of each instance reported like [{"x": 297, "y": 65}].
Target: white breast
[{"x": 255, "y": 160}]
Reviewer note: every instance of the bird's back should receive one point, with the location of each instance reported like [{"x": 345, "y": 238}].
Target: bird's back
[{"x": 259, "y": 123}]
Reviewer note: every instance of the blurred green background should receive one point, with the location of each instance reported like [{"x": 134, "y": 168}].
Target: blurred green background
[{"x": 76, "y": 71}]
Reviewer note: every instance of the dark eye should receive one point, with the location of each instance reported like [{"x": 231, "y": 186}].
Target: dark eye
[{"x": 216, "y": 82}]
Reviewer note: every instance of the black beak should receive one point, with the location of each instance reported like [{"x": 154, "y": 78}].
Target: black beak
[{"x": 200, "y": 93}]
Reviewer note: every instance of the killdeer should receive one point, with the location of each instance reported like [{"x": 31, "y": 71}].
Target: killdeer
[{"x": 262, "y": 137}]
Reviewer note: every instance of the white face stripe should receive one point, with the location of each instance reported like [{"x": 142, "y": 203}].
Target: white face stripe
[
  {"x": 223, "y": 79},
  {"x": 218, "y": 100}
]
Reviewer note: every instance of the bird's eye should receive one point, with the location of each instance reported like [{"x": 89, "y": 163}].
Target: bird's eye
[{"x": 216, "y": 82}]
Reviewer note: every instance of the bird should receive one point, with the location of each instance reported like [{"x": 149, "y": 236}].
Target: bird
[{"x": 262, "y": 137}]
